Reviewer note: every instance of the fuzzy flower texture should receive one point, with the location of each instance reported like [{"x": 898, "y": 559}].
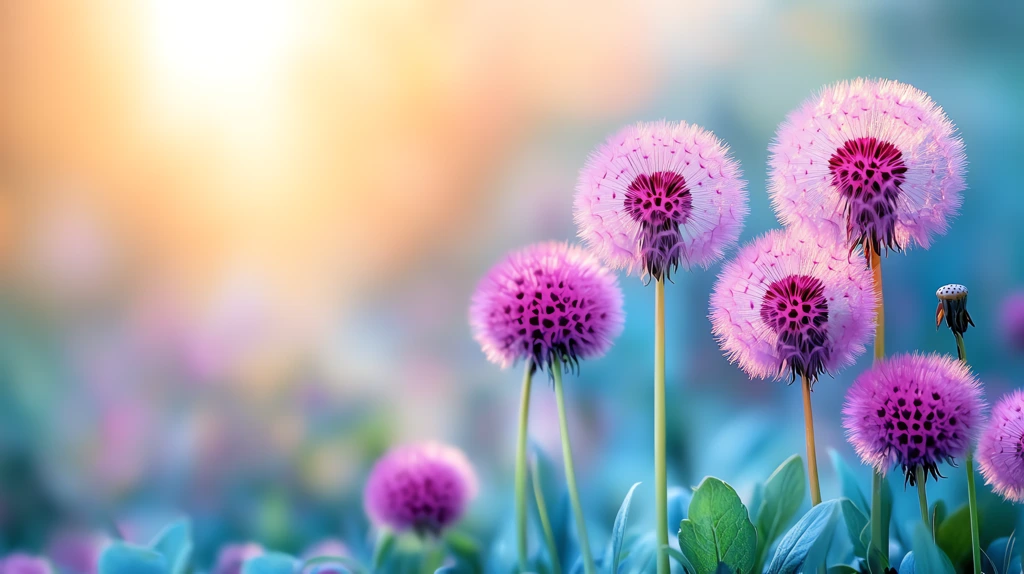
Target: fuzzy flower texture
[
  {"x": 422, "y": 488},
  {"x": 871, "y": 162},
  {"x": 913, "y": 411},
  {"x": 1001, "y": 448},
  {"x": 544, "y": 302},
  {"x": 790, "y": 304},
  {"x": 661, "y": 195}
]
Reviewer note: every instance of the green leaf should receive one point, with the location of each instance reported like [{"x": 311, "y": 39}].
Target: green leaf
[
  {"x": 717, "y": 530},
  {"x": 466, "y": 549},
  {"x": 848, "y": 482},
  {"x": 842, "y": 569},
  {"x": 937, "y": 514},
  {"x": 954, "y": 535},
  {"x": 783, "y": 495},
  {"x": 812, "y": 533},
  {"x": 270, "y": 563},
  {"x": 928, "y": 559},
  {"x": 678, "y": 557},
  {"x": 122, "y": 558},
  {"x": 385, "y": 544},
  {"x": 349, "y": 564},
  {"x": 613, "y": 552},
  {"x": 856, "y": 522},
  {"x": 878, "y": 561},
  {"x": 175, "y": 543}
]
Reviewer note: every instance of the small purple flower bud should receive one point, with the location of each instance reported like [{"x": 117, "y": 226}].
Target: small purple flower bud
[{"x": 423, "y": 488}]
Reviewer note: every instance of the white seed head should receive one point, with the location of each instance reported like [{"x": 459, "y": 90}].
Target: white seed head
[{"x": 951, "y": 292}]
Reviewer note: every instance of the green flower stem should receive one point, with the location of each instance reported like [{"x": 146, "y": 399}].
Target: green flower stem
[
  {"x": 879, "y": 527},
  {"x": 922, "y": 495},
  {"x": 812, "y": 456},
  {"x": 570, "y": 473},
  {"x": 660, "y": 471},
  {"x": 972, "y": 492},
  {"x": 545, "y": 522},
  {"x": 520, "y": 476}
]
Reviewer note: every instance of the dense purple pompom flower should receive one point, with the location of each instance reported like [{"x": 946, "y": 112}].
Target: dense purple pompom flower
[
  {"x": 233, "y": 556},
  {"x": 1001, "y": 448},
  {"x": 421, "y": 487},
  {"x": 24, "y": 564},
  {"x": 872, "y": 161},
  {"x": 546, "y": 301},
  {"x": 913, "y": 411},
  {"x": 659, "y": 195},
  {"x": 1012, "y": 313},
  {"x": 791, "y": 304}
]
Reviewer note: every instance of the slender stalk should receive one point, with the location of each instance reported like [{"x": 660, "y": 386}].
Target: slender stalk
[
  {"x": 879, "y": 527},
  {"x": 520, "y": 476},
  {"x": 812, "y": 456},
  {"x": 922, "y": 495},
  {"x": 660, "y": 470},
  {"x": 972, "y": 500},
  {"x": 570, "y": 473},
  {"x": 545, "y": 522},
  {"x": 972, "y": 493}
]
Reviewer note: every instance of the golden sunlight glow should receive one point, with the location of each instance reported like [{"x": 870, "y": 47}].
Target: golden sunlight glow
[{"x": 220, "y": 47}]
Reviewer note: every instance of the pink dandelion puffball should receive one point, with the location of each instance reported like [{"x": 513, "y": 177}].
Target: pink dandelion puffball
[
  {"x": 913, "y": 411},
  {"x": 233, "y": 556},
  {"x": 25, "y": 564},
  {"x": 790, "y": 303},
  {"x": 1001, "y": 448},
  {"x": 872, "y": 161},
  {"x": 547, "y": 301},
  {"x": 421, "y": 487},
  {"x": 660, "y": 195}
]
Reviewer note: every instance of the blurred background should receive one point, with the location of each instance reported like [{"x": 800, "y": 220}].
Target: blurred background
[{"x": 238, "y": 240}]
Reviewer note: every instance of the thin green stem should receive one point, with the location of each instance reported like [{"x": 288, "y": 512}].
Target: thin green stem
[
  {"x": 545, "y": 522},
  {"x": 660, "y": 470},
  {"x": 879, "y": 526},
  {"x": 520, "y": 476},
  {"x": 972, "y": 501},
  {"x": 812, "y": 456},
  {"x": 922, "y": 495},
  {"x": 972, "y": 493},
  {"x": 570, "y": 473}
]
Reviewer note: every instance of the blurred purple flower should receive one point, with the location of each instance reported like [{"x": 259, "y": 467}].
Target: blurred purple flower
[
  {"x": 659, "y": 195},
  {"x": 233, "y": 556},
  {"x": 1001, "y": 448},
  {"x": 868, "y": 160},
  {"x": 420, "y": 487},
  {"x": 792, "y": 304},
  {"x": 77, "y": 552},
  {"x": 24, "y": 564},
  {"x": 914, "y": 411},
  {"x": 546, "y": 301},
  {"x": 1012, "y": 314}
]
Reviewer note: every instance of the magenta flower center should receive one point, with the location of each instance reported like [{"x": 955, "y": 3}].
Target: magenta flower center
[
  {"x": 868, "y": 174},
  {"x": 660, "y": 203},
  {"x": 795, "y": 308},
  {"x": 552, "y": 319}
]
